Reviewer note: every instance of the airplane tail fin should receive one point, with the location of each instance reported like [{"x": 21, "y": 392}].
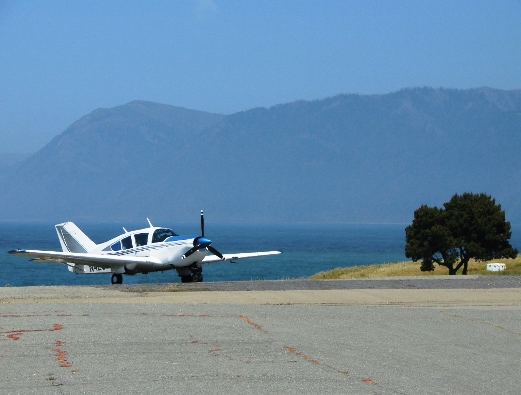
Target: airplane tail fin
[{"x": 72, "y": 239}]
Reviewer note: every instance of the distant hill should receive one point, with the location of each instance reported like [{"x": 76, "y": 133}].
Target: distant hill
[
  {"x": 9, "y": 160},
  {"x": 348, "y": 158}
]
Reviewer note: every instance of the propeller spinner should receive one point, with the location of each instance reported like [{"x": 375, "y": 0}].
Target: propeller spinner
[{"x": 202, "y": 242}]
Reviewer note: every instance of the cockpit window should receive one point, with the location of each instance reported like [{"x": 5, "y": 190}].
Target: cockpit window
[
  {"x": 141, "y": 239},
  {"x": 161, "y": 234}
]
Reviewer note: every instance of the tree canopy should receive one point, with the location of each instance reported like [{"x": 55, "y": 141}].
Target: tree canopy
[{"x": 469, "y": 226}]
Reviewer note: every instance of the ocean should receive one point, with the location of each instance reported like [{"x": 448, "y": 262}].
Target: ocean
[{"x": 307, "y": 249}]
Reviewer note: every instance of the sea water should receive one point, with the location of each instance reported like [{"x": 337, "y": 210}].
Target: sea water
[{"x": 307, "y": 249}]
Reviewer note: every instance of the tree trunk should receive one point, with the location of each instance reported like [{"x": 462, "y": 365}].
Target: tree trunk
[
  {"x": 458, "y": 266},
  {"x": 452, "y": 271},
  {"x": 465, "y": 267}
]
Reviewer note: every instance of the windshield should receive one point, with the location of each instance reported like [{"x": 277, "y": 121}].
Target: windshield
[{"x": 161, "y": 234}]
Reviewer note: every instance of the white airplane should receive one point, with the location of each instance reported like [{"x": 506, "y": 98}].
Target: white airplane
[{"x": 152, "y": 249}]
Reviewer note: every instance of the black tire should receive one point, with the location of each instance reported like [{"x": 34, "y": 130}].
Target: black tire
[
  {"x": 117, "y": 278},
  {"x": 186, "y": 279},
  {"x": 197, "y": 277},
  {"x": 197, "y": 273}
]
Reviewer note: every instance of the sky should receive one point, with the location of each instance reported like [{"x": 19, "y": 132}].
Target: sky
[{"x": 60, "y": 60}]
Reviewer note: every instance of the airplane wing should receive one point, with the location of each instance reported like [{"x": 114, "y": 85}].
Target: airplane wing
[
  {"x": 99, "y": 260},
  {"x": 233, "y": 257}
]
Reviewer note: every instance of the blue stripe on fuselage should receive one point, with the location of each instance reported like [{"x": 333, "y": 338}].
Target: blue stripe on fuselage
[{"x": 177, "y": 238}]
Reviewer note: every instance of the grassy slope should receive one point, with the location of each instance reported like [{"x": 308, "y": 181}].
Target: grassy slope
[{"x": 409, "y": 268}]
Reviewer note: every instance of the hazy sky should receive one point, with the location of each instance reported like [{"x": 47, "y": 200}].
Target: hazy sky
[{"x": 60, "y": 60}]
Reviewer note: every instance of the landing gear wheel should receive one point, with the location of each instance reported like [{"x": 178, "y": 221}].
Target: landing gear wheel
[
  {"x": 117, "y": 278},
  {"x": 197, "y": 277},
  {"x": 186, "y": 279},
  {"x": 197, "y": 273}
]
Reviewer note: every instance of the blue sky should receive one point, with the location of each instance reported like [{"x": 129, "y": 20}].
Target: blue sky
[{"x": 60, "y": 60}]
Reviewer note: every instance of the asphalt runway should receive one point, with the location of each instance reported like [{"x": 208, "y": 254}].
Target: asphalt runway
[
  {"x": 74, "y": 340},
  {"x": 411, "y": 282}
]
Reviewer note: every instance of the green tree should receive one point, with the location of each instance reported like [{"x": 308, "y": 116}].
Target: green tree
[
  {"x": 469, "y": 226},
  {"x": 429, "y": 239}
]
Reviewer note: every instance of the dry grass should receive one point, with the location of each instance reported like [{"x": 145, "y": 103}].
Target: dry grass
[{"x": 409, "y": 268}]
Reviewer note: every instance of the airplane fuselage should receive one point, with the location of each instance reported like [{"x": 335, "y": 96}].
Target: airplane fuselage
[{"x": 168, "y": 253}]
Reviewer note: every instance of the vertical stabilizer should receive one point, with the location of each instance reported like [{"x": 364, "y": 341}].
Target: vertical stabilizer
[{"x": 72, "y": 239}]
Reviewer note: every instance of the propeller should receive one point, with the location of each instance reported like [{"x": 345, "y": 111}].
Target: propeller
[{"x": 202, "y": 242}]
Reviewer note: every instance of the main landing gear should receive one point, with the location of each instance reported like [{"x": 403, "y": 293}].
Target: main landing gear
[{"x": 191, "y": 274}]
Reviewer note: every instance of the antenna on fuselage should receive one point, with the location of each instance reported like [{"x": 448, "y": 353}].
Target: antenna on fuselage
[
  {"x": 150, "y": 223},
  {"x": 126, "y": 231}
]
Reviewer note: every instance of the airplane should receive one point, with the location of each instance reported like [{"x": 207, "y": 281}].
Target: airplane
[{"x": 152, "y": 249}]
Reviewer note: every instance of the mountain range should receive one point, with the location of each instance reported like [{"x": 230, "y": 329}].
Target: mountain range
[{"x": 348, "y": 158}]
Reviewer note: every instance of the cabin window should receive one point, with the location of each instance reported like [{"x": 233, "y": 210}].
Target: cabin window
[
  {"x": 162, "y": 234},
  {"x": 116, "y": 246},
  {"x": 126, "y": 243},
  {"x": 141, "y": 239}
]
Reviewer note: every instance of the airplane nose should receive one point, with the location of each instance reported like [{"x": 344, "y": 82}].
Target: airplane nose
[{"x": 203, "y": 242}]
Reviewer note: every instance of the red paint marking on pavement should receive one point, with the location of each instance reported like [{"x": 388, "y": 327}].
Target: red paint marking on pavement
[
  {"x": 61, "y": 355},
  {"x": 15, "y": 334},
  {"x": 300, "y": 354},
  {"x": 257, "y": 326}
]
